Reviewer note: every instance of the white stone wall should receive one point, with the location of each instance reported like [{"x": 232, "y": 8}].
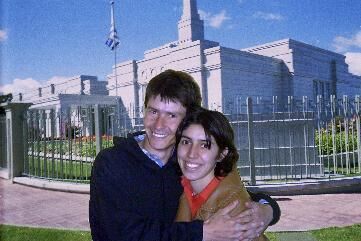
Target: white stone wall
[
  {"x": 226, "y": 76},
  {"x": 278, "y": 49},
  {"x": 127, "y": 83},
  {"x": 245, "y": 74},
  {"x": 351, "y": 86},
  {"x": 312, "y": 64},
  {"x": 308, "y": 64},
  {"x": 184, "y": 56},
  {"x": 94, "y": 87}
]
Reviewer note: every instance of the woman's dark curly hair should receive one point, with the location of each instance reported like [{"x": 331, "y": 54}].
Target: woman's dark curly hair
[{"x": 217, "y": 125}]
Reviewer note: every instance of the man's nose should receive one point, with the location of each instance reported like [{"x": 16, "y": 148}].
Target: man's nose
[{"x": 159, "y": 122}]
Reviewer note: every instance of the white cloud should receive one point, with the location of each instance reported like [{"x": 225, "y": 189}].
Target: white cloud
[
  {"x": 353, "y": 59},
  {"x": 343, "y": 44},
  {"x": 25, "y": 85},
  {"x": 268, "y": 16},
  {"x": 204, "y": 15},
  {"x": 20, "y": 86},
  {"x": 214, "y": 20},
  {"x": 3, "y": 35}
]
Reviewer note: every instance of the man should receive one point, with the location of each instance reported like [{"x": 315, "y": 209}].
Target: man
[{"x": 135, "y": 185}]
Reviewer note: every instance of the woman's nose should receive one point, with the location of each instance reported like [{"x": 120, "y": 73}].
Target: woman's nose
[{"x": 193, "y": 151}]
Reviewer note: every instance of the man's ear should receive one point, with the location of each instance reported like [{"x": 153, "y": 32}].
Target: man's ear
[{"x": 223, "y": 154}]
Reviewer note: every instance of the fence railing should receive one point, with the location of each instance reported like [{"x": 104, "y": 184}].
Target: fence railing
[
  {"x": 338, "y": 135},
  {"x": 62, "y": 145},
  {"x": 276, "y": 145},
  {"x": 276, "y": 141}
]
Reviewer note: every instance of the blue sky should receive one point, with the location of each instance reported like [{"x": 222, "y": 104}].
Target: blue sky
[{"x": 44, "y": 40}]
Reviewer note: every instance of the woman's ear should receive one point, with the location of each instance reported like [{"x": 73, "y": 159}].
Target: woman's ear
[{"x": 223, "y": 154}]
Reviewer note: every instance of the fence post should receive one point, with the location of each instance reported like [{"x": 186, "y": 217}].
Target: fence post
[
  {"x": 16, "y": 138},
  {"x": 44, "y": 138},
  {"x": 52, "y": 138},
  {"x": 251, "y": 155},
  {"x": 305, "y": 133},
  {"x": 346, "y": 128},
  {"x": 358, "y": 130},
  {"x": 333, "y": 123},
  {"x": 98, "y": 124},
  {"x": 117, "y": 117},
  {"x": 290, "y": 136},
  {"x": 319, "y": 129}
]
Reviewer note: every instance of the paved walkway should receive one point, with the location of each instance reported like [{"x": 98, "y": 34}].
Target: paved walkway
[{"x": 27, "y": 206}]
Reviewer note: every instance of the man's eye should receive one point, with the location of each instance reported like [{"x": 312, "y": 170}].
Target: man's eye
[{"x": 172, "y": 115}]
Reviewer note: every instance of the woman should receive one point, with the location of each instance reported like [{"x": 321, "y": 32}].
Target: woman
[{"x": 207, "y": 157}]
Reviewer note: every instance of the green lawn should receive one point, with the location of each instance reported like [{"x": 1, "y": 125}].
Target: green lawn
[
  {"x": 14, "y": 233},
  {"x": 351, "y": 233}
]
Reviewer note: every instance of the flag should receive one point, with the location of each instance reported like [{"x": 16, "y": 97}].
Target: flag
[{"x": 113, "y": 39}]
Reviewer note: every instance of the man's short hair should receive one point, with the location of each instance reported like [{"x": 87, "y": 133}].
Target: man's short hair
[{"x": 174, "y": 85}]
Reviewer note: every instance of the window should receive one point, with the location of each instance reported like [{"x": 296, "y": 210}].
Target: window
[
  {"x": 322, "y": 89},
  {"x": 328, "y": 91},
  {"x": 315, "y": 90}
]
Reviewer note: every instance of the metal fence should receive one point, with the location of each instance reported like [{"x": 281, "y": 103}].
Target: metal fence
[
  {"x": 276, "y": 144},
  {"x": 298, "y": 139},
  {"x": 62, "y": 145},
  {"x": 338, "y": 135},
  {"x": 276, "y": 141}
]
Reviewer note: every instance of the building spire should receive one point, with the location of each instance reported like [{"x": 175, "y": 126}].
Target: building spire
[
  {"x": 190, "y": 27},
  {"x": 190, "y": 10}
]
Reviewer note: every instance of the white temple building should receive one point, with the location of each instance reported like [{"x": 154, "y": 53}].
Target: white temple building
[
  {"x": 77, "y": 90},
  {"x": 283, "y": 68},
  {"x": 65, "y": 104}
]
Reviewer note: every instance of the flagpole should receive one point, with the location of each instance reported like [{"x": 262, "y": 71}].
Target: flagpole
[
  {"x": 113, "y": 42},
  {"x": 115, "y": 71},
  {"x": 115, "y": 54}
]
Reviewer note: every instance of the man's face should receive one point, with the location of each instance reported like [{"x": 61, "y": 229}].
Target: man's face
[{"x": 161, "y": 120}]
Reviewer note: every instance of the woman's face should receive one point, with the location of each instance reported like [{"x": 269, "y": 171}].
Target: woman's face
[{"x": 197, "y": 161}]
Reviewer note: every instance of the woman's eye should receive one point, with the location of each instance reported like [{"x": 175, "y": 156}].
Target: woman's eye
[
  {"x": 205, "y": 145},
  {"x": 184, "y": 142}
]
